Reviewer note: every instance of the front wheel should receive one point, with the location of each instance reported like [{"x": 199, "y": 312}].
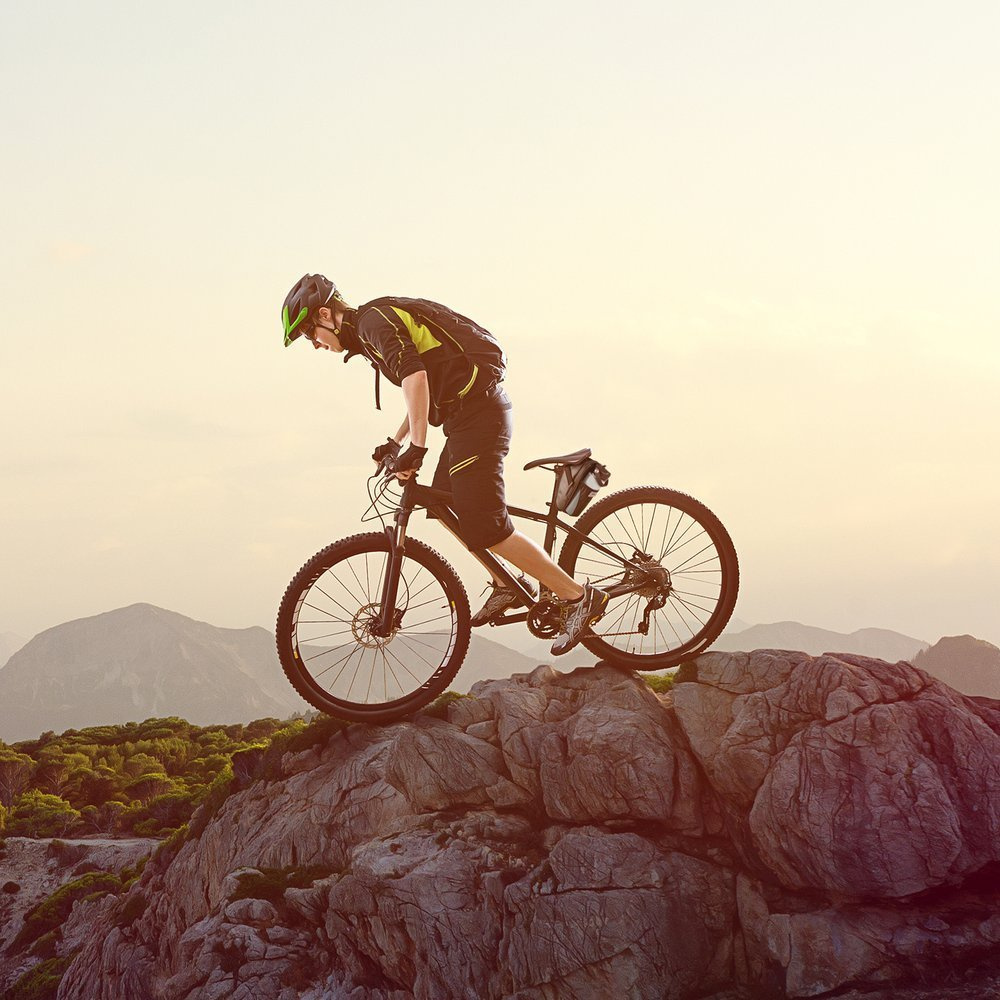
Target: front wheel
[
  {"x": 326, "y": 630},
  {"x": 689, "y": 571}
]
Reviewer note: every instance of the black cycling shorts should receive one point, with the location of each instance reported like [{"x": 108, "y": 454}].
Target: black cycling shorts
[{"x": 471, "y": 467}]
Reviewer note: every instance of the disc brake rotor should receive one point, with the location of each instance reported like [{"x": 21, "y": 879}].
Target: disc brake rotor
[{"x": 364, "y": 623}]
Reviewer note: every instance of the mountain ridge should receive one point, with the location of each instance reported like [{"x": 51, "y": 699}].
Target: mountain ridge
[
  {"x": 142, "y": 661},
  {"x": 878, "y": 642}
]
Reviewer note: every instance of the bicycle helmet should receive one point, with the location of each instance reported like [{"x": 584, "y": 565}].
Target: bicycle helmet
[{"x": 307, "y": 295}]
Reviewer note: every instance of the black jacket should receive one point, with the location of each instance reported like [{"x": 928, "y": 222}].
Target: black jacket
[{"x": 402, "y": 336}]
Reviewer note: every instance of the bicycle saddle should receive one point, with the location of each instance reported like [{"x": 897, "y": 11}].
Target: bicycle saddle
[{"x": 574, "y": 459}]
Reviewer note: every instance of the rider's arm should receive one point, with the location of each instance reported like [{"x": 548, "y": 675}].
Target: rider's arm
[
  {"x": 417, "y": 394},
  {"x": 389, "y": 340}
]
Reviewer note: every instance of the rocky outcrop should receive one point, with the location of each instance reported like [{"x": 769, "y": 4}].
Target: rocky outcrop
[
  {"x": 779, "y": 823},
  {"x": 31, "y": 871}
]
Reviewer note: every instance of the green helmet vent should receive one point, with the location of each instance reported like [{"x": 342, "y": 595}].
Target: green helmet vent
[{"x": 290, "y": 327}]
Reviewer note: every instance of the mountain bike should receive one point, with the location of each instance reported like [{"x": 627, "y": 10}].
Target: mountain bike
[{"x": 375, "y": 626}]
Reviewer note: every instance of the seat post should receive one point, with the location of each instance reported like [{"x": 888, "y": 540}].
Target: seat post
[{"x": 550, "y": 523}]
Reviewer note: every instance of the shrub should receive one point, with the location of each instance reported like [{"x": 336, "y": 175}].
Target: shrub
[
  {"x": 41, "y": 982},
  {"x": 131, "y": 874},
  {"x": 130, "y": 911},
  {"x": 66, "y": 854},
  {"x": 217, "y": 794},
  {"x": 271, "y": 883},
  {"x": 37, "y": 814},
  {"x": 11, "y": 887},
  {"x": 167, "y": 850},
  {"x": 438, "y": 708},
  {"x": 52, "y": 912},
  {"x": 45, "y": 946},
  {"x": 660, "y": 683}
]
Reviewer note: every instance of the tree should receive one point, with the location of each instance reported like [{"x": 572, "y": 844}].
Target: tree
[
  {"x": 94, "y": 787},
  {"x": 105, "y": 818},
  {"x": 39, "y": 815},
  {"x": 15, "y": 774},
  {"x": 149, "y": 786},
  {"x": 142, "y": 763}
]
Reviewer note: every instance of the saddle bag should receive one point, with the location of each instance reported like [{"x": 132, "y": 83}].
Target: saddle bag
[{"x": 577, "y": 485}]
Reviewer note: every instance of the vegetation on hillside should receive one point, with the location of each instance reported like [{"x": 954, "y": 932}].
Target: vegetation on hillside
[
  {"x": 139, "y": 779},
  {"x": 147, "y": 778}
]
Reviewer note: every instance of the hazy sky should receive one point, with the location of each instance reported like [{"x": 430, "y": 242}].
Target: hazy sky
[{"x": 747, "y": 250}]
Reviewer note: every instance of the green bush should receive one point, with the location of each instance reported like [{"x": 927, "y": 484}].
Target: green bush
[
  {"x": 41, "y": 982},
  {"x": 45, "y": 946},
  {"x": 217, "y": 794},
  {"x": 66, "y": 854},
  {"x": 660, "y": 683},
  {"x": 130, "y": 874},
  {"x": 167, "y": 850},
  {"x": 130, "y": 911},
  {"x": 271, "y": 883},
  {"x": 438, "y": 708},
  {"x": 50, "y": 914},
  {"x": 37, "y": 814}
]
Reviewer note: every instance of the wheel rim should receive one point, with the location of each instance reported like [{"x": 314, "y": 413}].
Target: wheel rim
[
  {"x": 682, "y": 550},
  {"x": 344, "y": 660}
]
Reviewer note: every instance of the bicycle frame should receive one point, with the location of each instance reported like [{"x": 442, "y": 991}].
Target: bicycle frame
[{"x": 415, "y": 496}]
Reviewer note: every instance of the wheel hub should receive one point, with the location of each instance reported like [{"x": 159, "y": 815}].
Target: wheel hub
[
  {"x": 366, "y": 621},
  {"x": 654, "y": 579}
]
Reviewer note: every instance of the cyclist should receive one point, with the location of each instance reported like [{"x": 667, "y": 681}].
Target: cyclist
[{"x": 450, "y": 370}]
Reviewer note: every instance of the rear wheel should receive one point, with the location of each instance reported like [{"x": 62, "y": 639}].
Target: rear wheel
[
  {"x": 688, "y": 566},
  {"x": 326, "y": 630}
]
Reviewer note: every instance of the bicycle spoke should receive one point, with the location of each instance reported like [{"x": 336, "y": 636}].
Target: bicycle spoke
[
  {"x": 423, "y": 604},
  {"x": 387, "y": 653},
  {"x": 411, "y": 638},
  {"x": 418, "y": 654},
  {"x": 343, "y": 659},
  {"x": 402, "y": 664},
  {"x": 346, "y": 611},
  {"x": 429, "y": 620},
  {"x": 316, "y": 638},
  {"x": 350, "y": 566},
  {"x": 420, "y": 591},
  {"x": 680, "y": 540},
  {"x": 649, "y": 533}
]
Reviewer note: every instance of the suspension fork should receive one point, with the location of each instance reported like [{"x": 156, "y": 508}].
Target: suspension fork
[{"x": 396, "y": 536}]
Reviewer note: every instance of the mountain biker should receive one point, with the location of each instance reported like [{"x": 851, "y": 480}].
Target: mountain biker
[{"x": 450, "y": 370}]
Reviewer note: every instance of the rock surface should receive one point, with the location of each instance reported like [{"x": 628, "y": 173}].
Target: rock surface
[
  {"x": 31, "y": 870},
  {"x": 780, "y": 825}
]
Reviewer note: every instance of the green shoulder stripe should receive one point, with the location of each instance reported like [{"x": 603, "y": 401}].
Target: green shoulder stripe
[{"x": 423, "y": 339}]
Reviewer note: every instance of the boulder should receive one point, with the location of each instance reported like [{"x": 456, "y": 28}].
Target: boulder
[{"x": 780, "y": 824}]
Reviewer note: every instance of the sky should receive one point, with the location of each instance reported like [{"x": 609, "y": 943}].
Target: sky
[{"x": 745, "y": 250}]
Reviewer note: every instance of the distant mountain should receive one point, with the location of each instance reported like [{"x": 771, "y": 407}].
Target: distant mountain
[
  {"x": 138, "y": 662},
  {"x": 969, "y": 665},
  {"x": 877, "y": 642},
  {"x": 10, "y": 643},
  {"x": 142, "y": 661},
  {"x": 487, "y": 660}
]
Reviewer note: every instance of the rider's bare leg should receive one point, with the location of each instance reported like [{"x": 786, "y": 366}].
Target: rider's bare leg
[{"x": 529, "y": 557}]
